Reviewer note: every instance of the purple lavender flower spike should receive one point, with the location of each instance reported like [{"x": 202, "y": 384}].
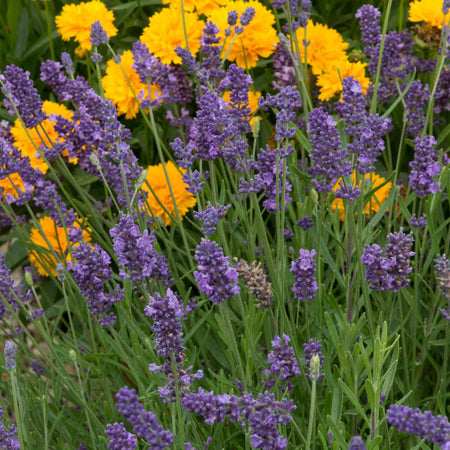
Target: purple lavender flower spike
[
  {"x": 264, "y": 414},
  {"x": 145, "y": 423},
  {"x": 8, "y": 438},
  {"x": 167, "y": 313},
  {"x": 418, "y": 222},
  {"x": 6, "y": 286},
  {"x": 37, "y": 367},
  {"x": 136, "y": 253},
  {"x": 305, "y": 223},
  {"x": 304, "y": 269},
  {"x": 10, "y": 355},
  {"x": 330, "y": 161},
  {"x": 415, "y": 100},
  {"x": 423, "y": 424},
  {"x": 425, "y": 167},
  {"x": 357, "y": 443},
  {"x": 210, "y": 217},
  {"x": 390, "y": 272},
  {"x": 445, "y": 7},
  {"x": 284, "y": 73},
  {"x": 365, "y": 129},
  {"x": 20, "y": 91},
  {"x": 247, "y": 16},
  {"x": 119, "y": 438},
  {"x": 215, "y": 277},
  {"x": 213, "y": 408},
  {"x": 282, "y": 361},
  {"x": 98, "y": 34},
  {"x": 369, "y": 17},
  {"x": 91, "y": 271}
]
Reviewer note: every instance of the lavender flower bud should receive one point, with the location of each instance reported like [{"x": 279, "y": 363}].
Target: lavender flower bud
[
  {"x": 356, "y": 443},
  {"x": 247, "y": 16},
  {"x": 313, "y": 359}
]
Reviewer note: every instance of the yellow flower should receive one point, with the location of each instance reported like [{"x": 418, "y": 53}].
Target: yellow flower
[
  {"x": 118, "y": 90},
  {"x": 330, "y": 82},
  {"x": 27, "y": 147},
  {"x": 156, "y": 178},
  {"x": 75, "y": 21},
  {"x": 165, "y": 33},
  {"x": 376, "y": 201},
  {"x": 12, "y": 184},
  {"x": 200, "y": 6},
  {"x": 43, "y": 259},
  {"x": 259, "y": 38},
  {"x": 428, "y": 11},
  {"x": 326, "y": 47}
]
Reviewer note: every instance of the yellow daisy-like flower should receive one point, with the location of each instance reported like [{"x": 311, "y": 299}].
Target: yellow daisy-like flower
[
  {"x": 200, "y": 6},
  {"x": 11, "y": 186},
  {"x": 156, "y": 179},
  {"x": 259, "y": 38},
  {"x": 43, "y": 259},
  {"x": 375, "y": 202},
  {"x": 118, "y": 90},
  {"x": 28, "y": 147},
  {"x": 326, "y": 47},
  {"x": 330, "y": 83},
  {"x": 428, "y": 11},
  {"x": 75, "y": 21},
  {"x": 165, "y": 33}
]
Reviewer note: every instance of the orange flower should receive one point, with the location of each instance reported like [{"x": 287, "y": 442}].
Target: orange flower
[
  {"x": 259, "y": 38},
  {"x": 200, "y": 6},
  {"x": 429, "y": 11},
  {"x": 52, "y": 239},
  {"x": 75, "y": 21},
  {"x": 11, "y": 186},
  {"x": 165, "y": 32},
  {"x": 157, "y": 181},
  {"x": 326, "y": 47}
]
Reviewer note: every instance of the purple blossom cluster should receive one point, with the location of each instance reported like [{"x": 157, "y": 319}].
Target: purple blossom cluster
[
  {"x": 356, "y": 443},
  {"x": 416, "y": 100},
  {"x": 8, "y": 291},
  {"x": 286, "y": 102},
  {"x": 21, "y": 94},
  {"x": 119, "y": 438},
  {"x": 270, "y": 166},
  {"x": 425, "y": 167},
  {"x": 389, "y": 272},
  {"x": 304, "y": 270},
  {"x": 282, "y": 361},
  {"x": 423, "y": 424},
  {"x": 172, "y": 81},
  {"x": 330, "y": 159},
  {"x": 91, "y": 271},
  {"x": 145, "y": 424},
  {"x": 284, "y": 73},
  {"x": 398, "y": 59},
  {"x": 167, "y": 313},
  {"x": 263, "y": 414},
  {"x": 365, "y": 129},
  {"x": 136, "y": 253},
  {"x": 94, "y": 135},
  {"x": 215, "y": 277},
  {"x": 313, "y": 359},
  {"x": 8, "y": 437},
  {"x": 210, "y": 216}
]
